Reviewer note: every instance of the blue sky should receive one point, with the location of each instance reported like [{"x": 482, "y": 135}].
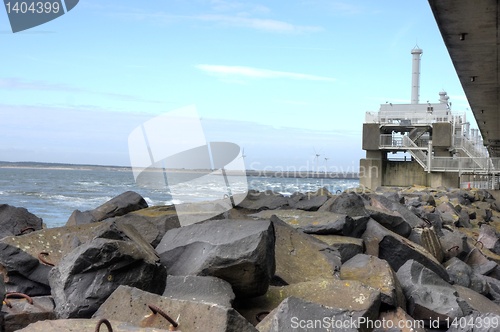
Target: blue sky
[{"x": 282, "y": 79}]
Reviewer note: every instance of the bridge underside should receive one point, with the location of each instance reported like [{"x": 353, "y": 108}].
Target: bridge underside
[{"x": 470, "y": 32}]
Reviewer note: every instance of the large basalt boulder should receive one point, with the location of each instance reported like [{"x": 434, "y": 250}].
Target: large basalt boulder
[
  {"x": 448, "y": 213},
  {"x": 118, "y": 206},
  {"x": 333, "y": 227},
  {"x": 351, "y": 204},
  {"x": 21, "y": 312},
  {"x": 462, "y": 274},
  {"x": 22, "y": 272},
  {"x": 17, "y": 221},
  {"x": 493, "y": 288},
  {"x": 397, "y": 250},
  {"x": 479, "y": 262},
  {"x": 308, "y": 201},
  {"x": 390, "y": 219},
  {"x": 266, "y": 200},
  {"x": 476, "y": 302},
  {"x": 428, "y": 296},
  {"x": 65, "y": 325},
  {"x": 295, "y": 314},
  {"x": 58, "y": 241},
  {"x": 377, "y": 273},
  {"x": 200, "y": 288},
  {"x": 238, "y": 251},
  {"x": 490, "y": 238},
  {"x": 130, "y": 305},
  {"x": 344, "y": 295},
  {"x": 151, "y": 228},
  {"x": 313, "y": 220},
  {"x": 347, "y": 247},
  {"x": 86, "y": 276},
  {"x": 408, "y": 217},
  {"x": 301, "y": 257}
]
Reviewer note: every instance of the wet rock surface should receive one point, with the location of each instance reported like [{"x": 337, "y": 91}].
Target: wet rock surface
[{"x": 273, "y": 263}]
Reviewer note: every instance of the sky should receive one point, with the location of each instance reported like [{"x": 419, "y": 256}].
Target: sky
[{"x": 285, "y": 80}]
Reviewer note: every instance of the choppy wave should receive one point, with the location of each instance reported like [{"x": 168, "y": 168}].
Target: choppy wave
[{"x": 54, "y": 194}]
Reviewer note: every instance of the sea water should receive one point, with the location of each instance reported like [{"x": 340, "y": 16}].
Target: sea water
[{"x": 54, "y": 193}]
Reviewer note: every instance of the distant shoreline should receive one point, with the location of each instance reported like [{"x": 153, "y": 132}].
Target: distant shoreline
[{"x": 261, "y": 173}]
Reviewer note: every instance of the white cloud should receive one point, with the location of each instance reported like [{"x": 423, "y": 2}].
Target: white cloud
[
  {"x": 251, "y": 72},
  {"x": 261, "y": 24},
  {"x": 19, "y": 84}
]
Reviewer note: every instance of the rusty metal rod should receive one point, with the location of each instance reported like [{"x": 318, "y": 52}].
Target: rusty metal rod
[
  {"x": 41, "y": 257},
  {"x": 105, "y": 322},
  {"x": 156, "y": 310},
  {"x": 482, "y": 244},
  {"x": 24, "y": 230},
  {"x": 17, "y": 294}
]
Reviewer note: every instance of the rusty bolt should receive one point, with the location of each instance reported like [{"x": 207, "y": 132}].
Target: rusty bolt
[
  {"x": 41, "y": 257},
  {"x": 156, "y": 310},
  {"x": 105, "y": 322}
]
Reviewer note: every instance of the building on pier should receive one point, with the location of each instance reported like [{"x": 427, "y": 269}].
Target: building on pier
[{"x": 424, "y": 144}]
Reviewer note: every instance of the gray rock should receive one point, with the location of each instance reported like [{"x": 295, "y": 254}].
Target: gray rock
[
  {"x": 493, "y": 288},
  {"x": 448, "y": 213},
  {"x": 334, "y": 227},
  {"x": 301, "y": 257},
  {"x": 151, "y": 228},
  {"x": 397, "y": 250},
  {"x": 118, "y": 206},
  {"x": 295, "y": 314},
  {"x": 490, "y": 238},
  {"x": 130, "y": 305},
  {"x": 460, "y": 273},
  {"x": 22, "y": 313},
  {"x": 200, "y": 289},
  {"x": 428, "y": 296},
  {"x": 384, "y": 203},
  {"x": 17, "y": 221},
  {"x": 390, "y": 219},
  {"x": 238, "y": 251},
  {"x": 454, "y": 244},
  {"x": 351, "y": 204},
  {"x": 479, "y": 263},
  {"x": 355, "y": 226},
  {"x": 307, "y": 202},
  {"x": 347, "y": 247},
  {"x": 86, "y": 276},
  {"x": 476, "y": 302},
  {"x": 375, "y": 273},
  {"x": 266, "y": 200},
  {"x": 65, "y": 325},
  {"x": 350, "y": 295},
  {"x": 23, "y": 272}
]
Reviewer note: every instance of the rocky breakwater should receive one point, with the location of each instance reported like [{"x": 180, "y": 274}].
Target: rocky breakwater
[{"x": 395, "y": 259}]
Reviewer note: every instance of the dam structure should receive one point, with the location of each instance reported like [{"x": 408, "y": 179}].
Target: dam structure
[{"x": 424, "y": 144}]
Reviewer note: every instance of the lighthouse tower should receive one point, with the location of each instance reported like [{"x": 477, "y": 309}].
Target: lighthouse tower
[{"x": 415, "y": 76}]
